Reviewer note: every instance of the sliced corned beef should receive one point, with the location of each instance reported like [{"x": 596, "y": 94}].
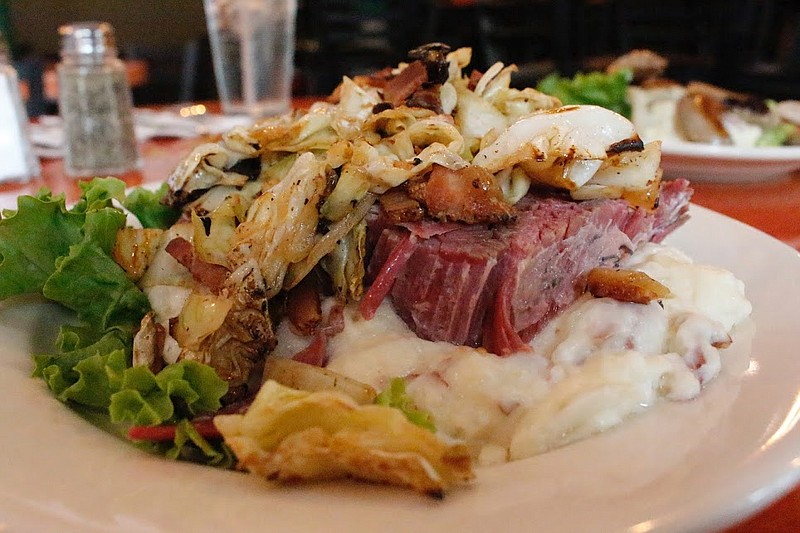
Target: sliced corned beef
[{"x": 497, "y": 285}]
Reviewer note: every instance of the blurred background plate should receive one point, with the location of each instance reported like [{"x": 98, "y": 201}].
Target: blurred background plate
[{"x": 727, "y": 164}]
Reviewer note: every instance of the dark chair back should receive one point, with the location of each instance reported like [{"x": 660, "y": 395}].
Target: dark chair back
[
  {"x": 687, "y": 32},
  {"x": 359, "y": 37},
  {"x": 763, "y": 56},
  {"x": 536, "y": 35}
]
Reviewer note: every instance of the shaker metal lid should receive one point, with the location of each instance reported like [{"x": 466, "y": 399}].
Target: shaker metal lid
[{"x": 88, "y": 38}]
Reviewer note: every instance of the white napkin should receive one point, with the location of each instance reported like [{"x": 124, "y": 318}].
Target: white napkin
[
  {"x": 47, "y": 137},
  {"x": 149, "y": 124},
  {"x": 47, "y": 134}
]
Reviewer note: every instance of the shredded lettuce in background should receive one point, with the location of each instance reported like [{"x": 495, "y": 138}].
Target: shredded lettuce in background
[
  {"x": 777, "y": 135},
  {"x": 64, "y": 254},
  {"x": 595, "y": 88},
  {"x": 395, "y": 396}
]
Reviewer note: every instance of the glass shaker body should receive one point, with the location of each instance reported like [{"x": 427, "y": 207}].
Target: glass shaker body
[
  {"x": 96, "y": 106},
  {"x": 18, "y": 160}
]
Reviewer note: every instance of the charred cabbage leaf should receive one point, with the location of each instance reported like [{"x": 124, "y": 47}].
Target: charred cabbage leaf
[{"x": 292, "y": 435}]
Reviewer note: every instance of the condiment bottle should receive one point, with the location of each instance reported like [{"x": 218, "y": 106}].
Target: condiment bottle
[
  {"x": 95, "y": 102},
  {"x": 17, "y": 161}
]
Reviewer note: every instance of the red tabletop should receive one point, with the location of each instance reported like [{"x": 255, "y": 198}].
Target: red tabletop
[{"x": 773, "y": 207}]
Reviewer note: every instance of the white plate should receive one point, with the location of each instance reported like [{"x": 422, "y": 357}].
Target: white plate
[
  {"x": 682, "y": 466},
  {"x": 727, "y": 164}
]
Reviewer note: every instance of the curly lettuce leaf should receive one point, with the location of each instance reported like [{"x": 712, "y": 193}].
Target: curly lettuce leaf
[
  {"x": 88, "y": 281},
  {"x": 64, "y": 254},
  {"x": 189, "y": 445},
  {"x": 97, "y": 194},
  {"x": 87, "y": 375},
  {"x": 594, "y": 88},
  {"x": 102, "y": 219},
  {"x": 141, "y": 401},
  {"x": 41, "y": 230},
  {"x": 147, "y": 207},
  {"x": 395, "y": 395},
  {"x": 100, "y": 376},
  {"x": 183, "y": 389},
  {"x": 31, "y": 239}
]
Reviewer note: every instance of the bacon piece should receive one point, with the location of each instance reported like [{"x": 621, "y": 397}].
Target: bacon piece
[
  {"x": 624, "y": 285},
  {"x": 469, "y": 195},
  {"x": 474, "y": 77},
  {"x": 303, "y": 307},
  {"x": 334, "y": 322},
  {"x": 405, "y": 83},
  {"x": 316, "y": 352},
  {"x": 434, "y": 57},
  {"x": 427, "y": 98},
  {"x": 399, "y": 206},
  {"x": 211, "y": 275}
]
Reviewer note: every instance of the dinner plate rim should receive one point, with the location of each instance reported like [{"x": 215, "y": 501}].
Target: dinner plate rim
[
  {"x": 718, "y": 151},
  {"x": 701, "y": 162}
]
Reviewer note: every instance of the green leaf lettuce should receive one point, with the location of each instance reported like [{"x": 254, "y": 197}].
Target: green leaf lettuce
[
  {"x": 594, "y": 88},
  {"x": 395, "y": 396},
  {"x": 147, "y": 207}
]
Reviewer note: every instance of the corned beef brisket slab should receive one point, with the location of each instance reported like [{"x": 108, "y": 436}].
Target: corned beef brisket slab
[{"x": 496, "y": 285}]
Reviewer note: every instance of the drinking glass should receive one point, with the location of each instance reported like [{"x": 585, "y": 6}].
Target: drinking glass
[{"x": 252, "y": 48}]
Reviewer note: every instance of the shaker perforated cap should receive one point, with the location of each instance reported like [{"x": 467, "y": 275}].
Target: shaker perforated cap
[{"x": 87, "y": 38}]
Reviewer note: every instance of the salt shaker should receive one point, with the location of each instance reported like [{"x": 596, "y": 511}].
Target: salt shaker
[
  {"x": 95, "y": 102},
  {"x": 16, "y": 154}
]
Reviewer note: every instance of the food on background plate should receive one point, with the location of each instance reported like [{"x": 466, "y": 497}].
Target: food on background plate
[
  {"x": 428, "y": 270},
  {"x": 703, "y": 113},
  {"x": 666, "y": 110}
]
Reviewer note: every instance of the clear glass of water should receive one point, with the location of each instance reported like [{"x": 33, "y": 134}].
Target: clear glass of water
[{"x": 252, "y": 47}]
